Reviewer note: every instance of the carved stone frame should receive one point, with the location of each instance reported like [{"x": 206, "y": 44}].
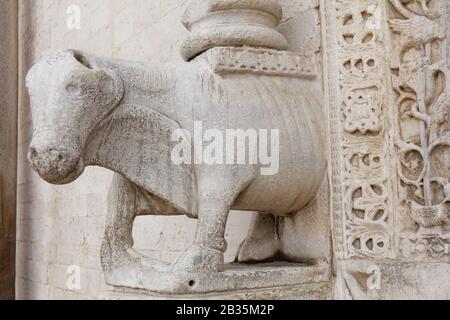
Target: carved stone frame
[{"x": 375, "y": 220}]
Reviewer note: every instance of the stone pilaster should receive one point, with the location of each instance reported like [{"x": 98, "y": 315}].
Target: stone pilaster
[
  {"x": 386, "y": 67},
  {"x": 8, "y": 145}
]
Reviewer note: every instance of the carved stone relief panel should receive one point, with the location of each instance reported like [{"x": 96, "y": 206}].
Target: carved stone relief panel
[
  {"x": 420, "y": 73},
  {"x": 362, "y": 190},
  {"x": 390, "y": 105},
  {"x": 389, "y": 125}
]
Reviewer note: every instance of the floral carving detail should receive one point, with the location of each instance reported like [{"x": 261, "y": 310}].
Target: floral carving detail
[
  {"x": 368, "y": 217},
  {"x": 421, "y": 82},
  {"x": 420, "y": 247},
  {"x": 362, "y": 111},
  {"x": 365, "y": 219}
]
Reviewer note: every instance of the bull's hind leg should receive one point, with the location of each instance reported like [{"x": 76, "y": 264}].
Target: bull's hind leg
[
  {"x": 262, "y": 242},
  {"x": 117, "y": 254}
]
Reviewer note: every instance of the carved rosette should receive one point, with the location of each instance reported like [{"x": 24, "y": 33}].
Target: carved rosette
[
  {"x": 362, "y": 190},
  {"x": 420, "y": 80}
]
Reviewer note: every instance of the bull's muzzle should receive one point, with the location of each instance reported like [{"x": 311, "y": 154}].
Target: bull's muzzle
[{"x": 57, "y": 166}]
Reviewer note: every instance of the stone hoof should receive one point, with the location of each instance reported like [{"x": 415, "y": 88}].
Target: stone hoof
[
  {"x": 141, "y": 260},
  {"x": 126, "y": 275},
  {"x": 199, "y": 258},
  {"x": 262, "y": 242},
  {"x": 133, "y": 271},
  {"x": 253, "y": 251},
  {"x": 127, "y": 268},
  {"x": 256, "y": 249}
]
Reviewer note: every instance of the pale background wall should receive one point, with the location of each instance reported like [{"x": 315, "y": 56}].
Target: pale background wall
[{"x": 63, "y": 226}]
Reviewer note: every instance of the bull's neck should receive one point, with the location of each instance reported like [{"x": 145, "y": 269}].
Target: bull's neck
[
  {"x": 148, "y": 89},
  {"x": 151, "y": 85}
]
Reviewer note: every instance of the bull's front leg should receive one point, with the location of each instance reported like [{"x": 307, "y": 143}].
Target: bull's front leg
[
  {"x": 207, "y": 253},
  {"x": 217, "y": 192},
  {"x": 117, "y": 254}
]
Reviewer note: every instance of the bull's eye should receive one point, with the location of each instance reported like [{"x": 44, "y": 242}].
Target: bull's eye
[{"x": 72, "y": 88}]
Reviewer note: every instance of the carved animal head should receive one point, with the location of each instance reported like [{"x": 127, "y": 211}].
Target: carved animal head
[{"x": 69, "y": 98}]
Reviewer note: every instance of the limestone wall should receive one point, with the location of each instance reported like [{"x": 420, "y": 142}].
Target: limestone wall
[{"x": 62, "y": 226}]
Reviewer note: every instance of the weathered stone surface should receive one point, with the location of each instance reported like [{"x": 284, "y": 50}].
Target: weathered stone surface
[
  {"x": 319, "y": 291},
  {"x": 388, "y": 106},
  {"x": 385, "y": 280},
  {"x": 385, "y": 75},
  {"x": 227, "y": 23},
  {"x": 59, "y": 227},
  {"x": 420, "y": 81},
  {"x": 234, "y": 278},
  {"x": 123, "y": 115}
]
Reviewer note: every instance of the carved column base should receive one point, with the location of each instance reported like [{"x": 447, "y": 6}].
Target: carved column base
[
  {"x": 392, "y": 280},
  {"x": 266, "y": 281}
]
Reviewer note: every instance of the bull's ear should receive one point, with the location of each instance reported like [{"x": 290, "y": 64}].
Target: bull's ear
[{"x": 111, "y": 85}]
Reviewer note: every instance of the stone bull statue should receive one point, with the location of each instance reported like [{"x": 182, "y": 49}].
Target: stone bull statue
[
  {"x": 91, "y": 111},
  {"x": 129, "y": 117}
]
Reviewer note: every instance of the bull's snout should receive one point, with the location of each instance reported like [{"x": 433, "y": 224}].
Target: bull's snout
[{"x": 53, "y": 165}]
